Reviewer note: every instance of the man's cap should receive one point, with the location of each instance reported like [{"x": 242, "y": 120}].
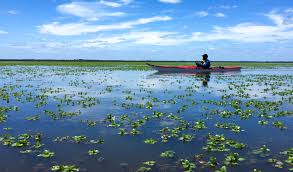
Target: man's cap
[{"x": 205, "y": 55}]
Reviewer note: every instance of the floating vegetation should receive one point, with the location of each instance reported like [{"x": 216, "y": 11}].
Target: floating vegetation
[
  {"x": 279, "y": 125},
  {"x": 147, "y": 166},
  {"x": 263, "y": 122},
  {"x": 199, "y": 125},
  {"x": 80, "y": 111},
  {"x": 216, "y": 143},
  {"x": 186, "y": 138},
  {"x": 46, "y": 154},
  {"x": 78, "y": 139},
  {"x": 150, "y": 141},
  {"x": 289, "y": 160},
  {"x": 65, "y": 168},
  {"x": 33, "y": 118},
  {"x": 168, "y": 154},
  {"x": 122, "y": 132},
  {"x": 3, "y": 117},
  {"x": 144, "y": 169},
  {"x": 93, "y": 152},
  {"x": 187, "y": 165},
  {"x": 277, "y": 163},
  {"x": 233, "y": 127},
  {"x": 233, "y": 159},
  {"x": 213, "y": 162},
  {"x": 149, "y": 163},
  {"x": 222, "y": 169},
  {"x": 263, "y": 151}
]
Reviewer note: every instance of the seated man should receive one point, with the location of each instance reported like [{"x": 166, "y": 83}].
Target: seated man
[{"x": 205, "y": 63}]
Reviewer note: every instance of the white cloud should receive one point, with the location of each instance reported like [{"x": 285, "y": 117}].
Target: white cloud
[
  {"x": 282, "y": 29},
  {"x": 289, "y": 10},
  {"x": 41, "y": 45},
  {"x": 277, "y": 19},
  {"x": 243, "y": 32},
  {"x": 87, "y": 10},
  {"x": 70, "y": 29},
  {"x": 115, "y": 4},
  {"x": 126, "y": 2},
  {"x": 202, "y": 14},
  {"x": 286, "y": 18},
  {"x": 142, "y": 38},
  {"x": 170, "y": 1},
  {"x": 227, "y": 7},
  {"x": 111, "y": 4},
  {"x": 220, "y": 15},
  {"x": 13, "y": 12},
  {"x": 3, "y": 32}
]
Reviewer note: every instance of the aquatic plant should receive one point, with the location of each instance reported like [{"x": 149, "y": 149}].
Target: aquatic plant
[
  {"x": 78, "y": 139},
  {"x": 46, "y": 154},
  {"x": 168, "y": 154},
  {"x": 93, "y": 152},
  {"x": 263, "y": 151},
  {"x": 289, "y": 154},
  {"x": 28, "y": 151},
  {"x": 232, "y": 159},
  {"x": 186, "y": 138},
  {"x": 279, "y": 125},
  {"x": 222, "y": 169},
  {"x": 216, "y": 143},
  {"x": 90, "y": 123},
  {"x": 3, "y": 117},
  {"x": 235, "y": 144},
  {"x": 226, "y": 114},
  {"x": 33, "y": 118},
  {"x": 187, "y": 165},
  {"x": 263, "y": 122},
  {"x": 158, "y": 114},
  {"x": 277, "y": 163},
  {"x": 212, "y": 162},
  {"x": 150, "y": 141},
  {"x": 134, "y": 132},
  {"x": 199, "y": 125},
  {"x": 20, "y": 143},
  {"x": 122, "y": 132},
  {"x": 233, "y": 127},
  {"x": 144, "y": 169},
  {"x": 64, "y": 168},
  {"x": 147, "y": 166},
  {"x": 149, "y": 163}
]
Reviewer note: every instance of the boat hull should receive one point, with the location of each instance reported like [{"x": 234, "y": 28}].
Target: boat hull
[{"x": 192, "y": 69}]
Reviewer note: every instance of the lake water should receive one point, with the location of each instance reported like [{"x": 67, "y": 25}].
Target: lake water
[{"x": 123, "y": 109}]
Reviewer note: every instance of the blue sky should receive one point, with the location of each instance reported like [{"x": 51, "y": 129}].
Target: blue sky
[{"x": 147, "y": 30}]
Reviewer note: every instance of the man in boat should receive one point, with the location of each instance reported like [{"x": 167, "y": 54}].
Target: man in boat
[{"x": 205, "y": 63}]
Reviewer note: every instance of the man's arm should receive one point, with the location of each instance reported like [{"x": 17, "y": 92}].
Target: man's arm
[{"x": 206, "y": 64}]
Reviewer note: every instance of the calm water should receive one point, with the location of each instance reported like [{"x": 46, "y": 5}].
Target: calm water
[{"x": 91, "y": 94}]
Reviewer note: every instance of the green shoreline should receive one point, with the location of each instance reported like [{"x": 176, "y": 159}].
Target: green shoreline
[{"x": 139, "y": 65}]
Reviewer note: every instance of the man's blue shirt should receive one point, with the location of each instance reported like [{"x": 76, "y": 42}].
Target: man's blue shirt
[{"x": 207, "y": 64}]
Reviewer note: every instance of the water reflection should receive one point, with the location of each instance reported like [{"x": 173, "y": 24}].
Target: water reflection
[{"x": 205, "y": 77}]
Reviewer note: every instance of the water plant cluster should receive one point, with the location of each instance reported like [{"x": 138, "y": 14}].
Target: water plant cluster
[{"x": 87, "y": 118}]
